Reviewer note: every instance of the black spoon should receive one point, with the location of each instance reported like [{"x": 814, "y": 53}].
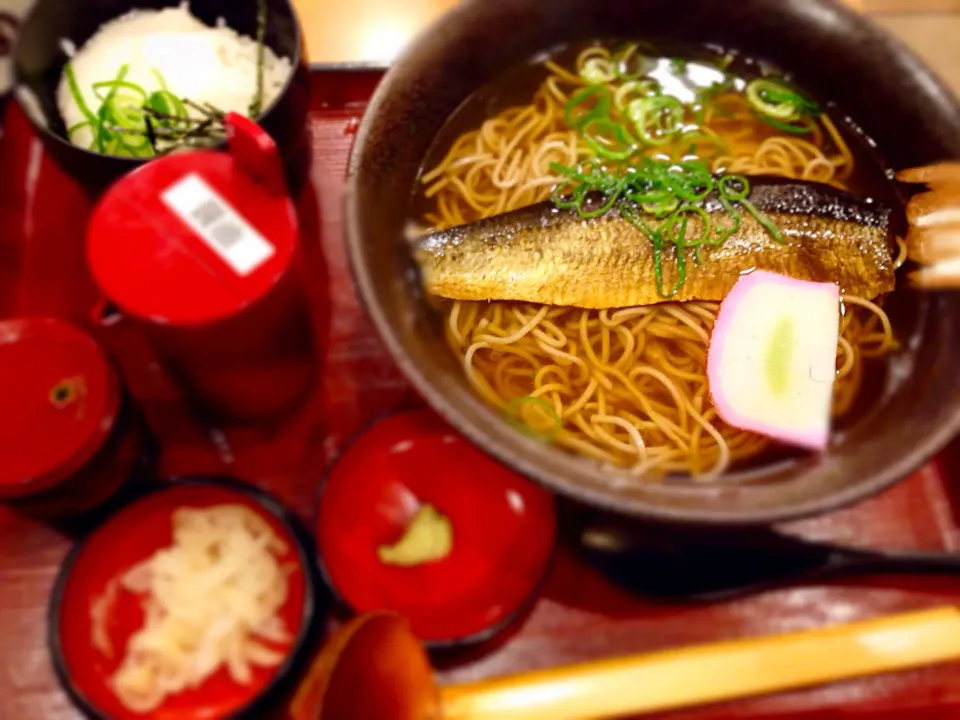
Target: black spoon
[{"x": 711, "y": 566}]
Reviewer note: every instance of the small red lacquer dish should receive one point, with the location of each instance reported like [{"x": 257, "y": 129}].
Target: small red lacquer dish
[
  {"x": 504, "y": 530},
  {"x": 68, "y": 438},
  {"x": 132, "y": 535}
]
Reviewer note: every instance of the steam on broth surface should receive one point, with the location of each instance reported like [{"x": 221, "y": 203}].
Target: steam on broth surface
[{"x": 683, "y": 150}]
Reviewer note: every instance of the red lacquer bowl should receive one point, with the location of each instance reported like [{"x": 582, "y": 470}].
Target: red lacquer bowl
[
  {"x": 504, "y": 529},
  {"x": 127, "y": 538}
]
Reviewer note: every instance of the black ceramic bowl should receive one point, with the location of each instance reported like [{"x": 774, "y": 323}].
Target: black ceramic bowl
[
  {"x": 39, "y": 61},
  {"x": 835, "y": 53}
]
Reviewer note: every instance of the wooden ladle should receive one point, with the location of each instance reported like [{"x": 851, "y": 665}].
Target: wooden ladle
[{"x": 374, "y": 668}]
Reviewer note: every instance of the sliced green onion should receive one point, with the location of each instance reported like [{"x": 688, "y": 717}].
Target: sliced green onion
[
  {"x": 679, "y": 241},
  {"x": 773, "y": 100},
  {"x": 77, "y": 95},
  {"x": 162, "y": 102},
  {"x": 733, "y": 187},
  {"x": 609, "y": 139},
  {"x": 663, "y": 114},
  {"x": 620, "y": 122},
  {"x": 631, "y": 216},
  {"x": 656, "y": 196},
  {"x": 635, "y": 90},
  {"x": 132, "y": 141},
  {"x": 598, "y": 71},
  {"x": 113, "y": 86},
  {"x": 129, "y": 121},
  {"x": 565, "y": 195},
  {"x": 611, "y": 199},
  {"x": 160, "y": 80},
  {"x": 689, "y": 186},
  {"x": 103, "y": 134},
  {"x": 805, "y": 127},
  {"x": 568, "y": 172},
  {"x": 767, "y": 223},
  {"x": 513, "y": 410},
  {"x": 781, "y": 107},
  {"x": 706, "y": 222},
  {"x": 661, "y": 209},
  {"x": 575, "y": 115},
  {"x": 73, "y": 129},
  {"x": 673, "y": 194},
  {"x": 724, "y": 233}
]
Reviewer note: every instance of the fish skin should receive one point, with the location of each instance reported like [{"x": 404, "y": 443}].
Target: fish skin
[{"x": 541, "y": 254}]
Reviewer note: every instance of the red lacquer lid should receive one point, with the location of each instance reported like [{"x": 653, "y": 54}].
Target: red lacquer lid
[
  {"x": 60, "y": 396},
  {"x": 195, "y": 237}
]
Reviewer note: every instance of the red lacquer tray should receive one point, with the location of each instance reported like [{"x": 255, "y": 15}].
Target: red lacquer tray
[{"x": 580, "y": 615}]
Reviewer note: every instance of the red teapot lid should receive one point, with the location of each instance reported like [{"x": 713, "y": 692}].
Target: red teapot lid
[
  {"x": 61, "y": 397},
  {"x": 195, "y": 237}
]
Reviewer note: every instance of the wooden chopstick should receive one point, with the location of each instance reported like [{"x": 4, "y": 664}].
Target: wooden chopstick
[
  {"x": 686, "y": 677},
  {"x": 933, "y": 217}
]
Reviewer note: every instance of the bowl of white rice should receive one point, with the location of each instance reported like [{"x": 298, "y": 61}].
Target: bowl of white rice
[{"x": 112, "y": 84}]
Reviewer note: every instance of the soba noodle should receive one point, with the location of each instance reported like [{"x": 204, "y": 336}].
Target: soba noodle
[{"x": 626, "y": 387}]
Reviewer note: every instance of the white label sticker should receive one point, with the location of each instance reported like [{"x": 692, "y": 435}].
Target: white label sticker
[{"x": 221, "y": 227}]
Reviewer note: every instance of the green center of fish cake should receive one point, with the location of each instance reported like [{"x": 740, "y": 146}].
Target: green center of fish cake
[{"x": 779, "y": 354}]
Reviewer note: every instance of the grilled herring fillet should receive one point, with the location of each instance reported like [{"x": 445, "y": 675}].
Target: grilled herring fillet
[{"x": 544, "y": 255}]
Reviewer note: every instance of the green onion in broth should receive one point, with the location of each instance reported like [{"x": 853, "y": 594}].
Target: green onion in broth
[{"x": 518, "y": 408}]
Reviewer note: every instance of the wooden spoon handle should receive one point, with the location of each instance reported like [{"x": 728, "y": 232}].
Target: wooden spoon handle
[{"x": 668, "y": 680}]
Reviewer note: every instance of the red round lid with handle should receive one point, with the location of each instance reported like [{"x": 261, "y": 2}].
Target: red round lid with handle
[
  {"x": 61, "y": 397},
  {"x": 195, "y": 237}
]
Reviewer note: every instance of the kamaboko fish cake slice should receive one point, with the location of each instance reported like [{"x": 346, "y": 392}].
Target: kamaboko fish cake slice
[{"x": 772, "y": 357}]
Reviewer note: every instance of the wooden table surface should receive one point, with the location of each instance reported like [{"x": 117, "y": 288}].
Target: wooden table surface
[
  {"x": 581, "y": 615},
  {"x": 357, "y": 31}
]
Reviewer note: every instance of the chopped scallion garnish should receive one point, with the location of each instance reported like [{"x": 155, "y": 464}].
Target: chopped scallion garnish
[
  {"x": 626, "y": 119},
  {"x": 519, "y": 409},
  {"x": 671, "y": 194},
  {"x": 781, "y": 107},
  {"x": 132, "y": 122}
]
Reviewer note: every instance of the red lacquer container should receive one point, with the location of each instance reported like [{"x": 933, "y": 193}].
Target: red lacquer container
[
  {"x": 201, "y": 250},
  {"x": 134, "y": 533},
  {"x": 68, "y": 441},
  {"x": 503, "y": 531}
]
